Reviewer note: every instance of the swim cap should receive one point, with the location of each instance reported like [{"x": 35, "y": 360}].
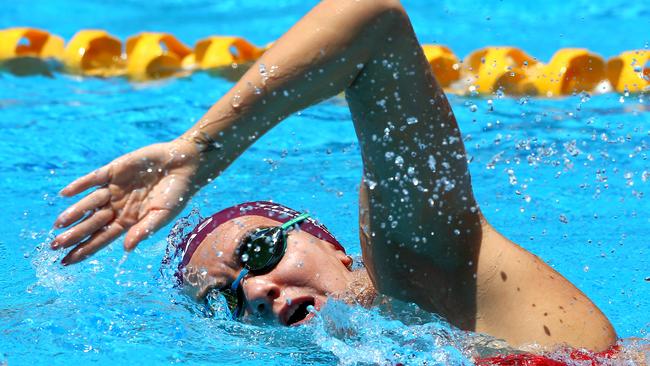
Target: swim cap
[{"x": 266, "y": 209}]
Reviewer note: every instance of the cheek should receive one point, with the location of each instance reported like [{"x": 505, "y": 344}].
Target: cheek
[
  {"x": 300, "y": 265},
  {"x": 311, "y": 267}
]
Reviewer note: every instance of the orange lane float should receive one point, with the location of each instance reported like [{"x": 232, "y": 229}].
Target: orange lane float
[
  {"x": 225, "y": 56},
  {"x": 571, "y": 70},
  {"x": 26, "y": 51},
  {"x": 445, "y": 65},
  {"x": 630, "y": 71},
  {"x": 156, "y": 55},
  {"x": 95, "y": 53},
  {"x": 499, "y": 68}
]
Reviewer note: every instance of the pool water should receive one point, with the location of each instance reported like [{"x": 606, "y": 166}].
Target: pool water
[{"x": 566, "y": 178}]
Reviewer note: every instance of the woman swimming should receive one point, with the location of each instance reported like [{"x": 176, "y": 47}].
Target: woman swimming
[{"x": 422, "y": 235}]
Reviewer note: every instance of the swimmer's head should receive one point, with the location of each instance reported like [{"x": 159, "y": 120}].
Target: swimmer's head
[{"x": 314, "y": 264}]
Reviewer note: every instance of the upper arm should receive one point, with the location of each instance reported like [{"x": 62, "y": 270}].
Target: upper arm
[{"x": 420, "y": 228}]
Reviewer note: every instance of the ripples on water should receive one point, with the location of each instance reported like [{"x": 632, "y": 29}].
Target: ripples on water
[{"x": 566, "y": 178}]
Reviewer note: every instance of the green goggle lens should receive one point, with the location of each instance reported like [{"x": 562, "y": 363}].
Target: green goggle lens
[{"x": 263, "y": 249}]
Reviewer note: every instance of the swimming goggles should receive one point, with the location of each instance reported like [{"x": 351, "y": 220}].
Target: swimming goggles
[{"x": 259, "y": 252}]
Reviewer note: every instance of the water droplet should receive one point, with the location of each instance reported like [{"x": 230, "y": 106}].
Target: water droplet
[
  {"x": 511, "y": 177},
  {"x": 235, "y": 102},
  {"x": 431, "y": 162},
  {"x": 399, "y": 161},
  {"x": 410, "y": 170},
  {"x": 263, "y": 73}
]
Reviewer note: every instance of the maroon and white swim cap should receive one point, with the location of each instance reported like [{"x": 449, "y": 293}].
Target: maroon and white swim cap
[{"x": 266, "y": 209}]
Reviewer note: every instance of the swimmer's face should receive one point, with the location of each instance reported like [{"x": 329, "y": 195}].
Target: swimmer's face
[{"x": 310, "y": 271}]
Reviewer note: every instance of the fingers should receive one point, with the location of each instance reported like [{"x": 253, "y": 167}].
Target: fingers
[
  {"x": 148, "y": 225},
  {"x": 84, "y": 229},
  {"x": 96, "y": 242},
  {"x": 89, "y": 203},
  {"x": 96, "y": 178}
]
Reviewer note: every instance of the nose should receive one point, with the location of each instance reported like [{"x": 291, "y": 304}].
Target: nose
[{"x": 261, "y": 292}]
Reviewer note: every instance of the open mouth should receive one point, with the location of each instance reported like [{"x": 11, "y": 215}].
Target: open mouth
[{"x": 300, "y": 312}]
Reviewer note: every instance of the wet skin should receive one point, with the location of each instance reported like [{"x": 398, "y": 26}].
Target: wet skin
[
  {"x": 422, "y": 234},
  {"x": 310, "y": 271}
]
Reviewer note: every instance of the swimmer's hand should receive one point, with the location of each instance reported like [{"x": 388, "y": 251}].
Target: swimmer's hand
[{"x": 137, "y": 193}]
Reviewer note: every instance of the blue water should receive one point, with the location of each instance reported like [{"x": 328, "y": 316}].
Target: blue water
[{"x": 566, "y": 178}]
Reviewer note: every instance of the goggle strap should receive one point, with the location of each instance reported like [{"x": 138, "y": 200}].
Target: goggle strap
[
  {"x": 237, "y": 281},
  {"x": 294, "y": 221}
]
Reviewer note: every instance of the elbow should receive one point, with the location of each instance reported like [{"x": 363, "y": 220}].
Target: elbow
[
  {"x": 388, "y": 8},
  {"x": 369, "y": 11}
]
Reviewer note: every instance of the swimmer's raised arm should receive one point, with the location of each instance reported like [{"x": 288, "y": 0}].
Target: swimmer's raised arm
[{"x": 318, "y": 57}]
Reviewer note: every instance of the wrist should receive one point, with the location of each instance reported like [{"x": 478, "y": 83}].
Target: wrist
[{"x": 202, "y": 141}]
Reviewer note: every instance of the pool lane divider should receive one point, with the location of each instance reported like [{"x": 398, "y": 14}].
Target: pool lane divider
[
  {"x": 156, "y": 55},
  {"x": 218, "y": 54},
  {"x": 28, "y": 51},
  {"x": 444, "y": 64},
  {"x": 94, "y": 53},
  {"x": 630, "y": 71},
  {"x": 148, "y": 56}
]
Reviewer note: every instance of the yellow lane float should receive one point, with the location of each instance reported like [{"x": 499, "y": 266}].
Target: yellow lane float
[
  {"x": 571, "y": 70},
  {"x": 499, "y": 68},
  {"x": 27, "y": 51},
  {"x": 445, "y": 65},
  {"x": 24, "y": 51},
  {"x": 94, "y": 52},
  {"x": 630, "y": 71},
  {"x": 156, "y": 55},
  {"x": 226, "y": 56}
]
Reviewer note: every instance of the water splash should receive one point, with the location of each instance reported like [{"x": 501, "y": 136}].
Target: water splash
[
  {"x": 45, "y": 262},
  {"x": 368, "y": 336},
  {"x": 174, "y": 251}
]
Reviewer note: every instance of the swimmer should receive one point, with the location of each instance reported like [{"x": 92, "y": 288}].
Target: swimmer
[{"x": 423, "y": 237}]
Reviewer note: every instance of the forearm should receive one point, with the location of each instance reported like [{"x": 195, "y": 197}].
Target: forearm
[{"x": 317, "y": 58}]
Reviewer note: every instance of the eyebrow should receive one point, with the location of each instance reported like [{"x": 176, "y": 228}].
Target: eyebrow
[{"x": 241, "y": 240}]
